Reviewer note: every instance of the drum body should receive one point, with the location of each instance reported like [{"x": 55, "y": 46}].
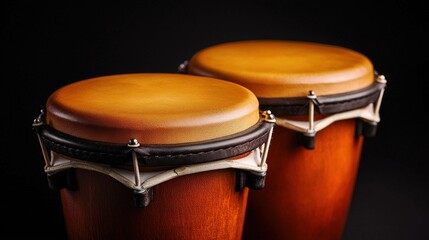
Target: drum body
[
  {"x": 153, "y": 156},
  {"x": 325, "y": 100}
]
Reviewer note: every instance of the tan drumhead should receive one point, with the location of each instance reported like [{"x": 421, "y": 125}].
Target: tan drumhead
[
  {"x": 154, "y": 108},
  {"x": 280, "y": 68}
]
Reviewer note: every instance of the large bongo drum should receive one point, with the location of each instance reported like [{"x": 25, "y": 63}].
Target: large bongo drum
[
  {"x": 325, "y": 100},
  {"x": 154, "y": 155}
]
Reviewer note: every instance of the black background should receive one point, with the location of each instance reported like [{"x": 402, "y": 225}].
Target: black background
[{"x": 45, "y": 46}]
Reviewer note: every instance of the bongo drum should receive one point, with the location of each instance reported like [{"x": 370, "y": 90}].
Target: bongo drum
[
  {"x": 154, "y": 155},
  {"x": 325, "y": 100}
]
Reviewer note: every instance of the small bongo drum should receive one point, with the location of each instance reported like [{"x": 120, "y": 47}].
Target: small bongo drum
[
  {"x": 312, "y": 89},
  {"x": 154, "y": 156}
]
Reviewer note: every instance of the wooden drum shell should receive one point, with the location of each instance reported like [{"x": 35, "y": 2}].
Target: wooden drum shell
[
  {"x": 188, "y": 141},
  {"x": 308, "y": 192},
  {"x": 197, "y": 206},
  {"x": 309, "y": 186}
]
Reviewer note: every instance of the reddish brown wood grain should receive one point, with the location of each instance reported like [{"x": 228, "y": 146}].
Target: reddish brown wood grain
[
  {"x": 198, "y": 206},
  {"x": 307, "y": 192}
]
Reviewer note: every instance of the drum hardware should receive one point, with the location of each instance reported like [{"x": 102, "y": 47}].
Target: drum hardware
[
  {"x": 369, "y": 117},
  {"x": 366, "y": 121},
  {"x": 156, "y": 160},
  {"x": 308, "y": 86},
  {"x": 268, "y": 117},
  {"x": 368, "y": 126},
  {"x": 183, "y": 67},
  {"x": 309, "y": 135},
  {"x": 59, "y": 167},
  {"x": 36, "y": 124},
  {"x": 142, "y": 197},
  {"x": 56, "y": 181},
  {"x": 256, "y": 179}
]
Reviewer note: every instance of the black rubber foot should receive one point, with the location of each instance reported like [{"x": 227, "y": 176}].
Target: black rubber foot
[
  {"x": 307, "y": 141},
  {"x": 65, "y": 179},
  {"x": 142, "y": 199},
  {"x": 254, "y": 181},
  {"x": 366, "y": 129},
  {"x": 240, "y": 180},
  {"x": 250, "y": 180}
]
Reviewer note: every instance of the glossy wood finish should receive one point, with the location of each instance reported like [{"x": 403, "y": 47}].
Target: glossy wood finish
[
  {"x": 199, "y": 206},
  {"x": 307, "y": 192}
]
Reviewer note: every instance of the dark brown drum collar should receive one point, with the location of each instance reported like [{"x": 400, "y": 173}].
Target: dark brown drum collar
[
  {"x": 326, "y": 104},
  {"x": 154, "y": 155}
]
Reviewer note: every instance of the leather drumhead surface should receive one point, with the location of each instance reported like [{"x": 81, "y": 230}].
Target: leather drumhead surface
[
  {"x": 279, "y": 68},
  {"x": 154, "y": 108}
]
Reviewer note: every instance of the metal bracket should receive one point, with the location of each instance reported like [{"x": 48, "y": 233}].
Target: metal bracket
[
  {"x": 183, "y": 67},
  {"x": 369, "y": 114},
  {"x": 141, "y": 182}
]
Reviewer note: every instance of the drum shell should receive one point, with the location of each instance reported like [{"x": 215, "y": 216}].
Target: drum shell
[
  {"x": 102, "y": 208},
  {"x": 308, "y": 187},
  {"x": 86, "y": 136},
  {"x": 307, "y": 192}
]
